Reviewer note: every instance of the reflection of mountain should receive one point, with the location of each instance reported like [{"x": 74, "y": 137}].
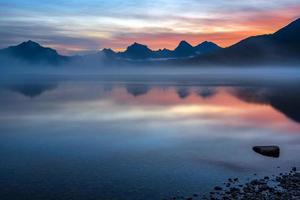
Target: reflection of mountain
[
  {"x": 183, "y": 92},
  {"x": 137, "y": 90},
  {"x": 206, "y": 92},
  {"x": 287, "y": 101},
  {"x": 32, "y": 90}
]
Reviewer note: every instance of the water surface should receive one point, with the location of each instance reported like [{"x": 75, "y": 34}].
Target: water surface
[{"x": 140, "y": 140}]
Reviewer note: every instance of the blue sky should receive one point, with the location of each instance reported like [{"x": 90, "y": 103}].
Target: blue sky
[{"x": 81, "y": 26}]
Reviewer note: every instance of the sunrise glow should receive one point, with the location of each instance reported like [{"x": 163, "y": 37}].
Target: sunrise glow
[{"x": 75, "y": 29}]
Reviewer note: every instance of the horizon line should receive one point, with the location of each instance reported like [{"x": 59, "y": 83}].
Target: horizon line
[{"x": 89, "y": 51}]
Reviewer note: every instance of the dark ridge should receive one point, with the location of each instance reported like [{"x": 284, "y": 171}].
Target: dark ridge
[
  {"x": 184, "y": 49},
  {"x": 281, "y": 47},
  {"x": 32, "y": 53},
  {"x": 136, "y": 51}
]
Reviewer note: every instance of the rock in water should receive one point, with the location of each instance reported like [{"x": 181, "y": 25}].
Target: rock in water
[{"x": 271, "y": 151}]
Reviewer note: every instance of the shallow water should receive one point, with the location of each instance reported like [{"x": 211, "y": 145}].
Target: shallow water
[{"x": 140, "y": 140}]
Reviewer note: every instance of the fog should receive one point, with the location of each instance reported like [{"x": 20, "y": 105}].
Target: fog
[{"x": 85, "y": 69}]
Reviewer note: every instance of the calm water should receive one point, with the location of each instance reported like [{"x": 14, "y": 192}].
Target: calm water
[{"x": 140, "y": 140}]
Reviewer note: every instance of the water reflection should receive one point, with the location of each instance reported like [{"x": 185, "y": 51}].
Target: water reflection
[
  {"x": 137, "y": 90},
  {"x": 121, "y": 140},
  {"x": 32, "y": 90},
  {"x": 183, "y": 92},
  {"x": 283, "y": 99},
  {"x": 207, "y": 92}
]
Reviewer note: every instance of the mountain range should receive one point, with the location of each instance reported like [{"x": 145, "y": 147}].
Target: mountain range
[
  {"x": 140, "y": 52},
  {"x": 33, "y": 53},
  {"x": 183, "y": 50},
  {"x": 282, "y": 46}
]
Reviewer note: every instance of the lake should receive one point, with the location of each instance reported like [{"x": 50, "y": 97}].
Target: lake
[{"x": 136, "y": 138}]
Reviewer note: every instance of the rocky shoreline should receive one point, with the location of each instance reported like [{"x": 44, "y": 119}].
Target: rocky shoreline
[{"x": 282, "y": 186}]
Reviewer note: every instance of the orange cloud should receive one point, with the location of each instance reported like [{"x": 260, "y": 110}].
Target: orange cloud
[{"x": 225, "y": 30}]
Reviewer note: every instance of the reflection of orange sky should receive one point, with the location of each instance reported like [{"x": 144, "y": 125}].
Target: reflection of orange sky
[{"x": 222, "y": 106}]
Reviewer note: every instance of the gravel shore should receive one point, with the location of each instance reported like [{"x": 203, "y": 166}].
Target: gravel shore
[{"x": 283, "y": 186}]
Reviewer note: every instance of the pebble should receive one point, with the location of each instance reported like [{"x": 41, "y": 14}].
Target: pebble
[
  {"x": 218, "y": 188},
  {"x": 285, "y": 186},
  {"x": 282, "y": 186}
]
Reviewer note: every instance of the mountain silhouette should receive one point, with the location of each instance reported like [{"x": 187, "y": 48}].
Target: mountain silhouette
[
  {"x": 137, "y": 51},
  {"x": 206, "y": 47},
  {"x": 282, "y": 46},
  {"x": 288, "y": 39},
  {"x": 32, "y": 52},
  {"x": 164, "y": 53},
  {"x": 184, "y": 49},
  {"x": 108, "y": 52}
]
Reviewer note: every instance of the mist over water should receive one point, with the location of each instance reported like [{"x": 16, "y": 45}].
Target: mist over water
[
  {"x": 145, "y": 100},
  {"x": 186, "y": 74},
  {"x": 141, "y": 134}
]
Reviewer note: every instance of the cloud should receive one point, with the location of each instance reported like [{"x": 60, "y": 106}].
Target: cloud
[{"x": 76, "y": 26}]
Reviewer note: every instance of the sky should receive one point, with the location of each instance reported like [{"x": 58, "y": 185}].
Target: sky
[{"x": 84, "y": 26}]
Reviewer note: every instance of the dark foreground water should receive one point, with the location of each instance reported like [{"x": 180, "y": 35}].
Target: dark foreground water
[{"x": 140, "y": 140}]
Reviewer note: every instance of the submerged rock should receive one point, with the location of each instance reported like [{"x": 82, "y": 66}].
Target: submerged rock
[
  {"x": 218, "y": 188},
  {"x": 271, "y": 151}
]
